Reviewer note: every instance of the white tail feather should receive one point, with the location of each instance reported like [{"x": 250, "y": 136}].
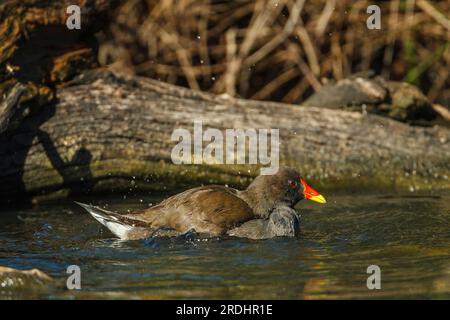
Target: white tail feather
[{"x": 109, "y": 219}]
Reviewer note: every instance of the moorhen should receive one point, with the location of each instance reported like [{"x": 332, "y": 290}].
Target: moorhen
[{"x": 264, "y": 210}]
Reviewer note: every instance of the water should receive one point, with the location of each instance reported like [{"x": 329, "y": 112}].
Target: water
[{"x": 406, "y": 236}]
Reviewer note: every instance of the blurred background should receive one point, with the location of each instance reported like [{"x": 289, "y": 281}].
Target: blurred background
[{"x": 279, "y": 50}]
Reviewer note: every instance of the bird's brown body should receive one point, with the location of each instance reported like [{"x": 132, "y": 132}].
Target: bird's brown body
[
  {"x": 210, "y": 209},
  {"x": 263, "y": 210}
]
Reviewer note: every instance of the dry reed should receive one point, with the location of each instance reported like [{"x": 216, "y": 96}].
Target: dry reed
[{"x": 279, "y": 50}]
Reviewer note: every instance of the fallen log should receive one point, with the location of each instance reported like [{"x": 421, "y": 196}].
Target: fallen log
[{"x": 111, "y": 133}]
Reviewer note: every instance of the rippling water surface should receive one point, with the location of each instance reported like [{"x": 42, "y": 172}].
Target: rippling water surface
[{"x": 408, "y": 237}]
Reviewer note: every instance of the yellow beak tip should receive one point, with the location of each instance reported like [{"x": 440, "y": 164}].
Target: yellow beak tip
[{"x": 319, "y": 199}]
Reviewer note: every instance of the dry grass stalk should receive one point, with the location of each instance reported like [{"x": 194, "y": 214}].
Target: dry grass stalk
[{"x": 279, "y": 50}]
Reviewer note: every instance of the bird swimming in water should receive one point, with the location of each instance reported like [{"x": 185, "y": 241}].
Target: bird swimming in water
[{"x": 264, "y": 210}]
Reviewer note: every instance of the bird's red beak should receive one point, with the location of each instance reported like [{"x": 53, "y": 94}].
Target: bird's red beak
[{"x": 311, "y": 194}]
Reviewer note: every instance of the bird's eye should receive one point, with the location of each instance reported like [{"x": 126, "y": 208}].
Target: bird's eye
[{"x": 292, "y": 183}]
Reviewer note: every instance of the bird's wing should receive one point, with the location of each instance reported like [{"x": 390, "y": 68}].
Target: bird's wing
[{"x": 210, "y": 209}]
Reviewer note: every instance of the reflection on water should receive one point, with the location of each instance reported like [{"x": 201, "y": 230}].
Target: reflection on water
[{"x": 408, "y": 237}]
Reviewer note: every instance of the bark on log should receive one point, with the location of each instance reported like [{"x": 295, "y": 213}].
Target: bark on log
[
  {"x": 9, "y": 107},
  {"x": 105, "y": 129}
]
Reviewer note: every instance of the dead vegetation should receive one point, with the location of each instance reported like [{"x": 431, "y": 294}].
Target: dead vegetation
[{"x": 279, "y": 50}]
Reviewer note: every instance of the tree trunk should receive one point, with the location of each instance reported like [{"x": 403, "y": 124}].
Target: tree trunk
[{"x": 111, "y": 133}]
